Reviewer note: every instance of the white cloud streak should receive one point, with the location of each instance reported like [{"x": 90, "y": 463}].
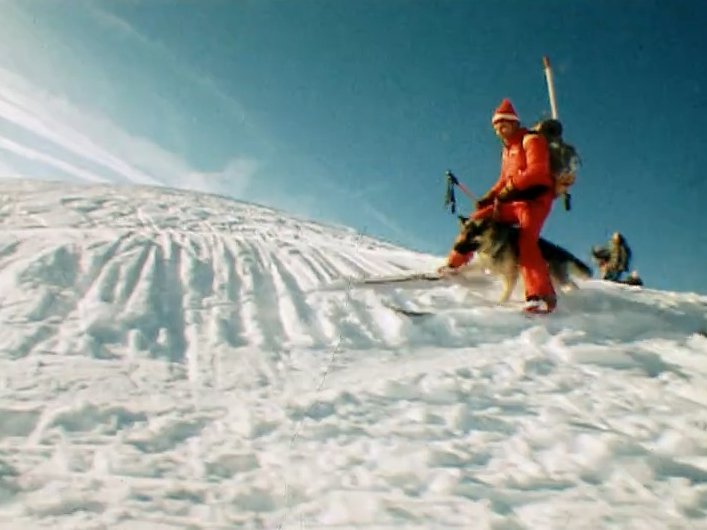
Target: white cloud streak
[
  {"x": 236, "y": 177},
  {"x": 46, "y": 118},
  {"x": 92, "y": 148},
  {"x": 34, "y": 155},
  {"x": 48, "y": 131}
]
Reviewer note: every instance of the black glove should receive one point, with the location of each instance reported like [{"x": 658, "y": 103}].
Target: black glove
[
  {"x": 507, "y": 193},
  {"x": 485, "y": 201}
]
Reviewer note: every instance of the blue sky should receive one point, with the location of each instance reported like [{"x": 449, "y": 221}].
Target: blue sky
[{"x": 350, "y": 112}]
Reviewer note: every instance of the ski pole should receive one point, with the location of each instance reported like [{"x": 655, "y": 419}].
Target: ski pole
[
  {"x": 455, "y": 180},
  {"x": 550, "y": 86}
]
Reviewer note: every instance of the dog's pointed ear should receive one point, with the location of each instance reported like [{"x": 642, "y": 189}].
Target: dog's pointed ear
[
  {"x": 485, "y": 223},
  {"x": 475, "y": 226}
]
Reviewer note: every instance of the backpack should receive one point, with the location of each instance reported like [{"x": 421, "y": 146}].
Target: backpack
[{"x": 564, "y": 159}]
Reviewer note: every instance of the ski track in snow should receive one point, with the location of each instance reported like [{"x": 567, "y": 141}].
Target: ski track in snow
[{"x": 173, "y": 360}]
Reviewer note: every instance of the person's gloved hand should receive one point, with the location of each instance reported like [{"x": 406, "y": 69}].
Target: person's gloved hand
[
  {"x": 506, "y": 193},
  {"x": 485, "y": 201}
]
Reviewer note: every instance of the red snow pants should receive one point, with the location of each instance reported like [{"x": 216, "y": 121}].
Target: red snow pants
[{"x": 530, "y": 217}]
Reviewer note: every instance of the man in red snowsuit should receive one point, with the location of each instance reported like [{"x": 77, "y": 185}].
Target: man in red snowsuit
[{"x": 523, "y": 195}]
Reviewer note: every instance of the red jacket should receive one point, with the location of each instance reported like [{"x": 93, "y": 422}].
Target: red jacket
[{"x": 525, "y": 162}]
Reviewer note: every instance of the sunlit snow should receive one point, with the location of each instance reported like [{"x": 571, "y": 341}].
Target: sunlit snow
[{"x": 173, "y": 360}]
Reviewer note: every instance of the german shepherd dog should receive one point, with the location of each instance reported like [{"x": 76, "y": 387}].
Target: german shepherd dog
[{"x": 495, "y": 247}]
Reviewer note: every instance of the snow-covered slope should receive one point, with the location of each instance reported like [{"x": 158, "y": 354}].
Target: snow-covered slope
[{"x": 171, "y": 360}]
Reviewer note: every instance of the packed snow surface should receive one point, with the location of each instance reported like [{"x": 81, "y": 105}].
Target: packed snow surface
[{"x": 173, "y": 360}]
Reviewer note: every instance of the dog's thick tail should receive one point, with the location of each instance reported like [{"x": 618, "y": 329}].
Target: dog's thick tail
[{"x": 580, "y": 269}]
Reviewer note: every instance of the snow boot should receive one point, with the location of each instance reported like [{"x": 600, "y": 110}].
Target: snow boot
[{"x": 536, "y": 305}]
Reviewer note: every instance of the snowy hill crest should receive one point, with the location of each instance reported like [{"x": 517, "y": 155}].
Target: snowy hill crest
[
  {"x": 147, "y": 268},
  {"x": 176, "y": 360}
]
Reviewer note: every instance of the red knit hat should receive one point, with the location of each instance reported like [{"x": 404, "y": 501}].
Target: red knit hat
[{"x": 505, "y": 111}]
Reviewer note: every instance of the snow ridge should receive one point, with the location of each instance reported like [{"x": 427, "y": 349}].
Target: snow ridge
[{"x": 176, "y": 360}]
